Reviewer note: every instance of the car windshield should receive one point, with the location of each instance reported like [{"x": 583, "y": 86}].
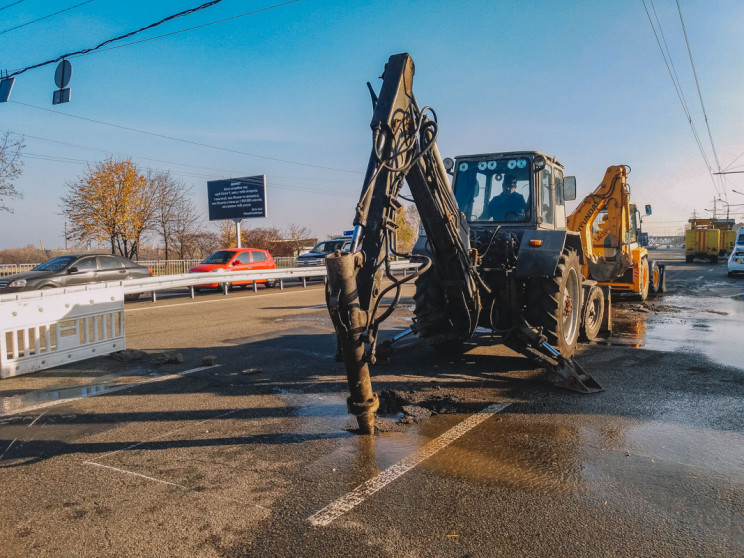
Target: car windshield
[
  {"x": 328, "y": 246},
  {"x": 56, "y": 264},
  {"x": 494, "y": 189},
  {"x": 221, "y": 257},
  {"x": 739, "y": 252}
]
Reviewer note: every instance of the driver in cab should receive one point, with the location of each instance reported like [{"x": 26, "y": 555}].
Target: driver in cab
[{"x": 509, "y": 205}]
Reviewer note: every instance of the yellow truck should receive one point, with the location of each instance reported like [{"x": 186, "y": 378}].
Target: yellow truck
[{"x": 709, "y": 239}]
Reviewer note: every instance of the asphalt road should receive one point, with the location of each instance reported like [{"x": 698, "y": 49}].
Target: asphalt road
[{"x": 476, "y": 456}]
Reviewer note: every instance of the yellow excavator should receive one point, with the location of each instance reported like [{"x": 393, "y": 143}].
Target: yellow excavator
[{"x": 615, "y": 253}]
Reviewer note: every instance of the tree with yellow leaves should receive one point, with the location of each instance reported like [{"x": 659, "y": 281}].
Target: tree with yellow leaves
[{"x": 110, "y": 204}]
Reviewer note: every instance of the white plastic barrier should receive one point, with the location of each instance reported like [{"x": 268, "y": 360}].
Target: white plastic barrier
[{"x": 56, "y": 327}]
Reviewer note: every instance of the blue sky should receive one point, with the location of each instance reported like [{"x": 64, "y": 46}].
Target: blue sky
[{"x": 583, "y": 81}]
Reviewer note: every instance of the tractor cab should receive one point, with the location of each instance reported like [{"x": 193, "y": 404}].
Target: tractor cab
[{"x": 525, "y": 188}]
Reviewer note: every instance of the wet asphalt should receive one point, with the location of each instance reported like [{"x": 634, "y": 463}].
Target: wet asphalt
[{"x": 256, "y": 456}]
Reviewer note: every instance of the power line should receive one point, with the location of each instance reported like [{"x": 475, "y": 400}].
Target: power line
[
  {"x": 223, "y": 171},
  {"x": 163, "y": 136},
  {"x": 195, "y": 27},
  {"x": 700, "y": 94},
  {"x": 10, "y": 5},
  {"x": 680, "y": 96},
  {"x": 119, "y": 38},
  {"x": 45, "y": 17},
  {"x": 271, "y": 182}
]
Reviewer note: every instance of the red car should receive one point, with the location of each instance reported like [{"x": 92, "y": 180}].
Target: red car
[{"x": 235, "y": 259}]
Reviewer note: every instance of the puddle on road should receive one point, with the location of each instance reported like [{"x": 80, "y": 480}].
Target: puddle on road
[
  {"x": 712, "y": 326},
  {"x": 34, "y": 399},
  {"x": 665, "y": 464}
]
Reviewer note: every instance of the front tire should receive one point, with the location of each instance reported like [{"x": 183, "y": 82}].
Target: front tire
[
  {"x": 643, "y": 279},
  {"x": 593, "y": 314},
  {"x": 655, "y": 278},
  {"x": 555, "y": 304}
]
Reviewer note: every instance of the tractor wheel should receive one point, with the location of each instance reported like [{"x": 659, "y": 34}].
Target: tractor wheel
[
  {"x": 430, "y": 312},
  {"x": 714, "y": 259},
  {"x": 554, "y": 304},
  {"x": 689, "y": 259},
  {"x": 593, "y": 313},
  {"x": 643, "y": 279},
  {"x": 654, "y": 278}
]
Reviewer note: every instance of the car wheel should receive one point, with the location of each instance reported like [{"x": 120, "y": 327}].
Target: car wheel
[
  {"x": 133, "y": 296},
  {"x": 270, "y": 283}
]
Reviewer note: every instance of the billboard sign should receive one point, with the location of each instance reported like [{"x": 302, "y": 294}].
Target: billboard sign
[{"x": 237, "y": 198}]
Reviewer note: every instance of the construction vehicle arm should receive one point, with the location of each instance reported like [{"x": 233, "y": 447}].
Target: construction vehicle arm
[
  {"x": 404, "y": 148},
  {"x": 606, "y": 250}
]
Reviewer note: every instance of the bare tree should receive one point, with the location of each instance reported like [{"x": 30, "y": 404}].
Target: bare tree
[
  {"x": 175, "y": 218},
  {"x": 10, "y": 169},
  {"x": 298, "y": 235},
  {"x": 185, "y": 228}
]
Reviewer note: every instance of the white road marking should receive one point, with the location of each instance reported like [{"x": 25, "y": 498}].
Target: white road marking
[
  {"x": 169, "y": 433},
  {"x": 346, "y": 503},
  {"x": 37, "y": 418},
  {"x": 135, "y": 474},
  {"x": 6, "y": 449},
  {"x": 118, "y": 470},
  {"x": 106, "y": 391}
]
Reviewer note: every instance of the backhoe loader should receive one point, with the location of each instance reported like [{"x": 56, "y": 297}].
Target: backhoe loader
[
  {"x": 495, "y": 253},
  {"x": 611, "y": 240}
]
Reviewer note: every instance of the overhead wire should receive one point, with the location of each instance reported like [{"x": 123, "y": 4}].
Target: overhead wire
[
  {"x": 119, "y": 38},
  {"x": 700, "y": 94},
  {"x": 271, "y": 182},
  {"x": 172, "y": 138},
  {"x": 253, "y": 12},
  {"x": 10, "y": 5},
  {"x": 45, "y": 17},
  {"x": 143, "y": 158},
  {"x": 678, "y": 89}
]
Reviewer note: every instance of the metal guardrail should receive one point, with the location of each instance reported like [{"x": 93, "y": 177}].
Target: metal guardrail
[
  {"x": 190, "y": 280},
  {"x": 46, "y": 328},
  {"x": 159, "y": 267}
]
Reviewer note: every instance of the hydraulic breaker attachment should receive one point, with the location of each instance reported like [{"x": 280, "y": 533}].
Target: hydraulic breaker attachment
[{"x": 350, "y": 321}]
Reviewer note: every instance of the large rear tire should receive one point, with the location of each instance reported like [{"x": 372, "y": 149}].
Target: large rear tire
[
  {"x": 689, "y": 259},
  {"x": 555, "y": 304},
  {"x": 430, "y": 312}
]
